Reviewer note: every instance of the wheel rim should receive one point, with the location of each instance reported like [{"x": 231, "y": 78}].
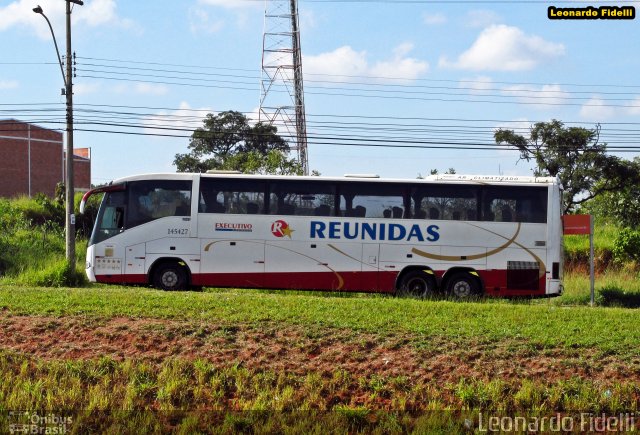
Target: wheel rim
[
  {"x": 417, "y": 287},
  {"x": 169, "y": 279},
  {"x": 462, "y": 289}
]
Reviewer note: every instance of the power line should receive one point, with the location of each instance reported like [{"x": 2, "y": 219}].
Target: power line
[
  {"x": 376, "y": 118},
  {"x": 472, "y": 99},
  {"x": 402, "y": 80},
  {"x": 335, "y": 140},
  {"x": 377, "y": 87}
]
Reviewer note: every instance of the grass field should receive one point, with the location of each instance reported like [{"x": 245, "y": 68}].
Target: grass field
[
  {"x": 118, "y": 359},
  {"x": 132, "y": 359},
  {"x": 265, "y": 361}
]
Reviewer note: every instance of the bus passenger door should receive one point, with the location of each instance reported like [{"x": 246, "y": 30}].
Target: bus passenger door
[{"x": 232, "y": 263}]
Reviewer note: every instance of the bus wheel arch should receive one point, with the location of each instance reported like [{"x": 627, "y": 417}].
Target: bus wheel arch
[
  {"x": 463, "y": 282},
  {"x": 170, "y": 274},
  {"x": 416, "y": 281}
]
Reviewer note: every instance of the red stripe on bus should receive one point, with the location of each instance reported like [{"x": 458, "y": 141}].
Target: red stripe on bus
[{"x": 381, "y": 282}]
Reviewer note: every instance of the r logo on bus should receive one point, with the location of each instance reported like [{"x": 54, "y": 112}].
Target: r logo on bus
[{"x": 281, "y": 228}]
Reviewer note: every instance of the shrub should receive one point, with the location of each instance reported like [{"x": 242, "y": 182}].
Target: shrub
[
  {"x": 613, "y": 296},
  {"x": 56, "y": 274},
  {"x": 32, "y": 242},
  {"x": 626, "y": 246},
  {"x": 39, "y": 210}
]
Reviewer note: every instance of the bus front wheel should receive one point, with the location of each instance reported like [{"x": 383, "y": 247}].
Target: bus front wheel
[
  {"x": 463, "y": 285},
  {"x": 170, "y": 276},
  {"x": 417, "y": 284}
]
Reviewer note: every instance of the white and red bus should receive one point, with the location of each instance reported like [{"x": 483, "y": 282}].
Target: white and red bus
[{"x": 460, "y": 234}]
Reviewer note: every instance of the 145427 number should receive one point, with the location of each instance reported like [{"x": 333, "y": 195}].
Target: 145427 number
[{"x": 177, "y": 231}]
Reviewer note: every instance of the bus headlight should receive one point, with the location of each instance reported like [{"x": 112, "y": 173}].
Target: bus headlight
[{"x": 88, "y": 265}]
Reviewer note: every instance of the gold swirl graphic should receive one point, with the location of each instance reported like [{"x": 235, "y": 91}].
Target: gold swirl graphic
[{"x": 472, "y": 256}]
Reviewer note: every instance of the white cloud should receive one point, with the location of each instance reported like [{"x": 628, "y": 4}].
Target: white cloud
[
  {"x": 85, "y": 88},
  {"x": 521, "y": 126},
  {"x": 480, "y": 85},
  {"x": 184, "y": 118},
  {"x": 95, "y": 13},
  {"x": 635, "y": 107},
  {"x": 8, "y": 84},
  {"x": 242, "y": 11},
  {"x": 401, "y": 66},
  {"x": 201, "y": 22},
  {"x": 596, "y": 110},
  {"x": 505, "y": 48},
  {"x": 543, "y": 95},
  {"x": 482, "y": 18},
  {"x": 434, "y": 19},
  {"x": 232, "y": 4},
  {"x": 99, "y": 12},
  {"x": 307, "y": 19},
  {"x": 345, "y": 61},
  {"x": 341, "y": 61},
  {"x": 151, "y": 89}
]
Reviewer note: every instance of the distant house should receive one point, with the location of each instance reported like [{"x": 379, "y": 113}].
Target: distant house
[{"x": 32, "y": 160}]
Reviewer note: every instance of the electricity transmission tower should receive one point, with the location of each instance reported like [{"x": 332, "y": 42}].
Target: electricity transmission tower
[{"x": 281, "y": 90}]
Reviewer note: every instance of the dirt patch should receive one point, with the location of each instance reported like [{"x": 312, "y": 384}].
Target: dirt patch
[{"x": 297, "y": 350}]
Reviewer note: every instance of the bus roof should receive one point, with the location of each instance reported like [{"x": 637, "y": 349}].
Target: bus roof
[{"x": 439, "y": 179}]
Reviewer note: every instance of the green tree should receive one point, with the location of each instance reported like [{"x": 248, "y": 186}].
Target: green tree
[
  {"x": 227, "y": 142},
  {"x": 621, "y": 206},
  {"x": 575, "y": 156}
]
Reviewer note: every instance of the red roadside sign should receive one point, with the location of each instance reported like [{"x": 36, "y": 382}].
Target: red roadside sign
[
  {"x": 576, "y": 223},
  {"x": 582, "y": 224}
]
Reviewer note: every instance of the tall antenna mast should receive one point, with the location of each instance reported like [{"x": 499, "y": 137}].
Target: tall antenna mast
[{"x": 282, "y": 91}]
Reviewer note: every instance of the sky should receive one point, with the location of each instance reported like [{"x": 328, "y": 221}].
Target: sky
[{"x": 394, "y": 88}]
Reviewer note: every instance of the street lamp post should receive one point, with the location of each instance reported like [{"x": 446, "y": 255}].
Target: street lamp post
[{"x": 70, "y": 219}]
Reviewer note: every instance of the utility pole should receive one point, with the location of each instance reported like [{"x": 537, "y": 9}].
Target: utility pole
[
  {"x": 70, "y": 218},
  {"x": 282, "y": 91}
]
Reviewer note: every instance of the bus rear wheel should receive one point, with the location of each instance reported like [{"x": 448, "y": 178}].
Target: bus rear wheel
[
  {"x": 170, "y": 276},
  {"x": 463, "y": 285},
  {"x": 416, "y": 284}
]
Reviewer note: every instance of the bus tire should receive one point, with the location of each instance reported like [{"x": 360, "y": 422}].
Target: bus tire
[
  {"x": 170, "y": 276},
  {"x": 463, "y": 285},
  {"x": 416, "y": 284}
]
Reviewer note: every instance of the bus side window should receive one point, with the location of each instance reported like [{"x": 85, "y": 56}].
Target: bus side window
[
  {"x": 209, "y": 202},
  {"x": 154, "y": 199},
  {"x": 515, "y": 204},
  {"x": 444, "y": 202},
  {"x": 231, "y": 196},
  {"x": 301, "y": 198},
  {"x": 376, "y": 200}
]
